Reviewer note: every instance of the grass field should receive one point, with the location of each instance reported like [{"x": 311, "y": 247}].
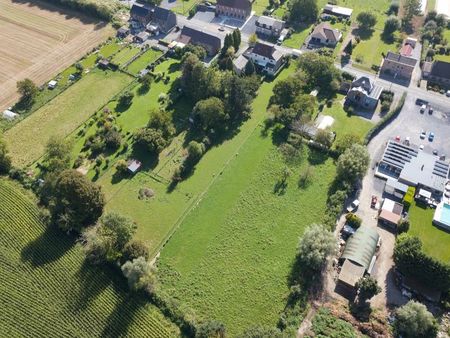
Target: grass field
[
  {"x": 62, "y": 115},
  {"x": 39, "y": 41},
  {"x": 143, "y": 61},
  {"x": 125, "y": 55},
  {"x": 48, "y": 291},
  {"x": 232, "y": 253},
  {"x": 435, "y": 241},
  {"x": 359, "y": 126}
]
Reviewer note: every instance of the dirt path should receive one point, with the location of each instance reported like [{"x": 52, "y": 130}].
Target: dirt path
[{"x": 40, "y": 42}]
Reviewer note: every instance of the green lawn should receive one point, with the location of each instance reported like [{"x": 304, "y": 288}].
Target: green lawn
[
  {"x": 183, "y": 6},
  {"x": 124, "y": 55},
  {"x": 27, "y": 139},
  {"x": 436, "y": 242},
  {"x": 233, "y": 251},
  {"x": 343, "y": 123},
  {"x": 259, "y": 6},
  {"x": 297, "y": 38},
  {"x": 369, "y": 50},
  {"x": 48, "y": 290},
  {"x": 143, "y": 61}
]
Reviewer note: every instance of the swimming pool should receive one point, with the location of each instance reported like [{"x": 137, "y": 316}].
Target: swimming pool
[{"x": 442, "y": 215}]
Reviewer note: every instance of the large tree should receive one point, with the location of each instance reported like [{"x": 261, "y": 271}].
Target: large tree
[
  {"x": 410, "y": 9},
  {"x": 210, "y": 114},
  {"x": 367, "y": 288},
  {"x": 5, "y": 159},
  {"x": 320, "y": 71},
  {"x": 366, "y": 20},
  {"x": 211, "y": 329},
  {"x": 413, "y": 320},
  {"x": 141, "y": 276},
  {"x": 28, "y": 91},
  {"x": 316, "y": 244},
  {"x": 237, "y": 96},
  {"x": 285, "y": 91},
  {"x": 346, "y": 141},
  {"x": 303, "y": 11},
  {"x": 75, "y": 201},
  {"x": 391, "y": 25},
  {"x": 57, "y": 155},
  {"x": 353, "y": 163}
]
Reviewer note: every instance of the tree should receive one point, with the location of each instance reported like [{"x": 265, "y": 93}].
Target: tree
[
  {"x": 403, "y": 226},
  {"x": 261, "y": 332},
  {"x": 211, "y": 329},
  {"x": 210, "y": 114},
  {"x": 151, "y": 139},
  {"x": 366, "y": 20},
  {"x": 285, "y": 91},
  {"x": 141, "y": 276},
  {"x": 413, "y": 320},
  {"x": 236, "y": 39},
  {"x": 57, "y": 155},
  {"x": 134, "y": 249},
  {"x": 316, "y": 244},
  {"x": 391, "y": 25},
  {"x": 198, "y": 51},
  {"x": 162, "y": 121},
  {"x": 28, "y": 91},
  {"x": 5, "y": 159},
  {"x": 301, "y": 11},
  {"x": 410, "y": 9},
  {"x": 319, "y": 71},
  {"x": 249, "y": 68},
  {"x": 353, "y": 163},
  {"x": 146, "y": 82},
  {"x": 252, "y": 39},
  {"x": 75, "y": 201},
  {"x": 121, "y": 166},
  {"x": 195, "y": 151},
  {"x": 324, "y": 137},
  {"x": 237, "y": 96},
  {"x": 79, "y": 67},
  {"x": 305, "y": 105},
  {"x": 346, "y": 141},
  {"x": 367, "y": 288},
  {"x": 125, "y": 99},
  {"x": 349, "y": 48}
]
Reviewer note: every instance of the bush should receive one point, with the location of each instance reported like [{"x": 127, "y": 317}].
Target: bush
[
  {"x": 414, "y": 320},
  {"x": 134, "y": 249},
  {"x": 403, "y": 226},
  {"x": 353, "y": 220},
  {"x": 140, "y": 275}
]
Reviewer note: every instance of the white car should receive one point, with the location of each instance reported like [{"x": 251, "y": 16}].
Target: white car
[
  {"x": 353, "y": 206},
  {"x": 421, "y": 147},
  {"x": 423, "y": 108},
  {"x": 423, "y": 135}
]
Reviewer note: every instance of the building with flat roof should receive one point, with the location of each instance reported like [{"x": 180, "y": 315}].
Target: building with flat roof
[
  {"x": 343, "y": 12},
  {"x": 411, "y": 166},
  {"x": 390, "y": 213}
]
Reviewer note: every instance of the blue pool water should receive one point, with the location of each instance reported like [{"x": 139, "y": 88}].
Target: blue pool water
[{"x": 445, "y": 214}]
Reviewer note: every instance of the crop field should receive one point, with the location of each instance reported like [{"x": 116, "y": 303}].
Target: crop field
[
  {"x": 435, "y": 241},
  {"x": 48, "y": 291},
  {"x": 38, "y": 41},
  {"x": 27, "y": 139}
]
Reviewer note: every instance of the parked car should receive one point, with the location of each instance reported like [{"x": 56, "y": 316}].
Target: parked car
[
  {"x": 221, "y": 29},
  {"x": 423, "y": 108},
  {"x": 420, "y": 102},
  {"x": 421, "y": 147},
  {"x": 397, "y": 138},
  {"x": 353, "y": 206},
  {"x": 423, "y": 135},
  {"x": 448, "y": 93},
  {"x": 347, "y": 231},
  {"x": 435, "y": 152},
  {"x": 430, "y": 110},
  {"x": 431, "y": 137}
]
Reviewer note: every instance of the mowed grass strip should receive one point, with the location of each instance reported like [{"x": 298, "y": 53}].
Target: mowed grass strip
[
  {"x": 143, "y": 61},
  {"x": 26, "y": 140},
  {"x": 47, "y": 290},
  {"x": 230, "y": 258},
  {"x": 435, "y": 241}
]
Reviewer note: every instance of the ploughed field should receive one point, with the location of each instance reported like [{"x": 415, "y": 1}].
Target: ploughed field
[
  {"x": 47, "y": 290},
  {"x": 39, "y": 40}
]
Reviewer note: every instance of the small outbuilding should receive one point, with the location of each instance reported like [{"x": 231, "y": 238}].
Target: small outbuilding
[
  {"x": 52, "y": 84},
  {"x": 123, "y": 32},
  {"x": 103, "y": 64},
  {"x": 391, "y": 213},
  {"x": 239, "y": 64},
  {"x": 134, "y": 166},
  {"x": 141, "y": 37},
  {"x": 9, "y": 115}
]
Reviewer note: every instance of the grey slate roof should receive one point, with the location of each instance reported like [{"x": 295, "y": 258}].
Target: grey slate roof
[
  {"x": 325, "y": 31},
  {"x": 440, "y": 69},
  {"x": 270, "y": 22},
  {"x": 137, "y": 10},
  {"x": 267, "y": 51},
  {"x": 195, "y": 36},
  {"x": 245, "y": 5}
]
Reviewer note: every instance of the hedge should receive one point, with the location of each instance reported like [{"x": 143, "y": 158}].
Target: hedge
[{"x": 385, "y": 120}]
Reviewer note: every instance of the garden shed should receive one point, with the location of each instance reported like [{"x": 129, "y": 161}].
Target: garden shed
[{"x": 361, "y": 247}]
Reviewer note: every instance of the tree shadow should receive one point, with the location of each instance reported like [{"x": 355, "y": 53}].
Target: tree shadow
[
  {"x": 51, "y": 245},
  {"x": 364, "y": 34},
  {"x": 387, "y": 38},
  {"x": 119, "y": 321},
  {"x": 361, "y": 311},
  {"x": 174, "y": 67}
]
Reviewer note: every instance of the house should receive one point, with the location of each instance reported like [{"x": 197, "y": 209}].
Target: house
[
  {"x": 358, "y": 257},
  {"x": 364, "y": 93},
  {"x": 141, "y": 37},
  {"x": 123, "y": 32},
  {"x": 390, "y": 213},
  {"x": 239, "y": 9},
  {"x": 440, "y": 74},
  {"x": 239, "y": 64},
  {"x": 398, "y": 66},
  {"x": 211, "y": 43},
  {"x": 413, "y": 167},
  {"x": 268, "y": 26},
  {"x": 162, "y": 20},
  {"x": 134, "y": 166},
  {"x": 342, "y": 12},
  {"x": 9, "y": 115},
  {"x": 323, "y": 34},
  {"x": 266, "y": 57},
  {"x": 141, "y": 14}
]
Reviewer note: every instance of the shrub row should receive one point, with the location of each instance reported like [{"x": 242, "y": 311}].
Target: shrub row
[{"x": 385, "y": 120}]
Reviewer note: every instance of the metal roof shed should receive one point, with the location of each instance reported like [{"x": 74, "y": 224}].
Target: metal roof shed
[{"x": 361, "y": 246}]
